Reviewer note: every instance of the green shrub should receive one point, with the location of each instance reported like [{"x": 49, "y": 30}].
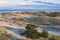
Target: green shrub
[
  {"x": 31, "y": 32},
  {"x": 45, "y": 34}
]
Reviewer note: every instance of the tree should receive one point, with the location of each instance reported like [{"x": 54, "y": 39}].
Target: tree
[
  {"x": 31, "y": 27},
  {"x": 31, "y": 31}
]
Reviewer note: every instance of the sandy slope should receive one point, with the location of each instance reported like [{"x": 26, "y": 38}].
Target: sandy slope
[
  {"x": 13, "y": 29},
  {"x": 13, "y": 26}
]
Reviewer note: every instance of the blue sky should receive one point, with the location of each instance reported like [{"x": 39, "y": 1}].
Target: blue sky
[{"x": 29, "y": 4}]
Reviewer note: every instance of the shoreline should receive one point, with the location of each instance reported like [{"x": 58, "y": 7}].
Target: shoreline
[{"x": 26, "y": 10}]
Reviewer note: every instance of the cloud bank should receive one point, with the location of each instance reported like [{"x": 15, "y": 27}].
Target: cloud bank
[{"x": 29, "y": 4}]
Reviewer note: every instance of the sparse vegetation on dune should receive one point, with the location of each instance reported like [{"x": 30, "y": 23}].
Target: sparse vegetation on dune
[
  {"x": 4, "y": 34},
  {"x": 31, "y": 32},
  {"x": 42, "y": 17},
  {"x": 21, "y": 19}
]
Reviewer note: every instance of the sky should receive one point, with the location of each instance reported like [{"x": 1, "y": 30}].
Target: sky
[{"x": 29, "y": 4}]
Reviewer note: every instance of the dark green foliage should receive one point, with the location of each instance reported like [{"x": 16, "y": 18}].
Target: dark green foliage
[
  {"x": 32, "y": 32},
  {"x": 45, "y": 34},
  {"x": 52, "y": 38},
  {"x": 31, "y": 27}
]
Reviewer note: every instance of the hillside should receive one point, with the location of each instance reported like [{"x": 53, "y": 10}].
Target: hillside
[
  {"x": 43, "y": 17},
  {"x": 4, "y": 34},
  {"x": 13, "y": 23}
]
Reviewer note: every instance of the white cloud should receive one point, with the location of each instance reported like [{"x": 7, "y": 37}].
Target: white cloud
[
  {"x": 12, "y": 3},
  {"x": 50, "y": 1},
  {"x": 9, "y": 3}
]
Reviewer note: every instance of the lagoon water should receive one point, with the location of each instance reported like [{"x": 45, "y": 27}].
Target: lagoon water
[{"x": 21, "y": 10}]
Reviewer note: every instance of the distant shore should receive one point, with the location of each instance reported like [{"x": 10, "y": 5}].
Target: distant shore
[{"x": 29, "y": 10}]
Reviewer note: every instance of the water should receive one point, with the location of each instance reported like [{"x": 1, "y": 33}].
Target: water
[{"x": 21, "y": 10}]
